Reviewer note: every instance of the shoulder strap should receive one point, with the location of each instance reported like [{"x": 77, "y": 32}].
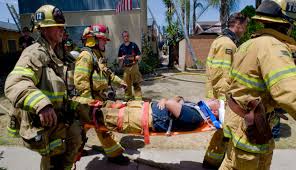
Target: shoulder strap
[
  {"x": 196, "y": 107},
  {"x": 95, "y": 67},
  {"x": 94, "y": 58}
]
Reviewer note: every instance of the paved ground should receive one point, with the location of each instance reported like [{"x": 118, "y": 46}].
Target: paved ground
[
  {"x": 176, "y": 152},
  {"x": 16, "y": 158}
]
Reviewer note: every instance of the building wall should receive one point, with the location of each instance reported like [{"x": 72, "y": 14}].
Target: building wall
[
  {"x": 182, "y": 54},
  {"x": 5, "y": 37},
  {"x": 201, "y": 45},
  {"x": 77, "y": 21},
  {"x": 30, "y": 6}
]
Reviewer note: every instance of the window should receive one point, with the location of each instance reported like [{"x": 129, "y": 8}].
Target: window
[{"x": 12, "y": 46}]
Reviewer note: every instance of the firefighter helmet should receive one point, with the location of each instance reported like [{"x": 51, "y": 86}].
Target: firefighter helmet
[
  {"x": 49, "y": 16},
  {"x": 68, "y": 43},
  {"x": 97, "y": 30},
  {"x": 280, "y": 11}
]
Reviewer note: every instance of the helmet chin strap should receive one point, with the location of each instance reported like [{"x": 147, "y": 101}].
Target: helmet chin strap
[
  {"x": 97, "y": 47},
  {"x": 290, "y": 30}
]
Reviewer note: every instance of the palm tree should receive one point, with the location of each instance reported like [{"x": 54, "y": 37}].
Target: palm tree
[
  {"x": 196, "y": 5},
  {"x": 225, "y": 6},
  {"x": 185, "y": 7},
  {"x": 170, "y": 11},
  {"x": 224, "y": 12}
]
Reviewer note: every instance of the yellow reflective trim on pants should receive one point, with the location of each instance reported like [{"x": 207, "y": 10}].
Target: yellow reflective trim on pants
[
  {"x": 216, "y": 156},
  {"x": 243, "y": 144},
  {"x": 128, "y": 97},
  {"x": 227, "y": 132},
  {"x": 138, "y": 98},
  {"x": 32, "y": 99},
  {"x": 253, "y": 83},
  {"x": 211, "y": 62},
  {"x": 83, "y": 70},
  {"x": 44, "y": 151},
  {"x": 12, "y": 132},
  {"x": 25, "y": 72},
  {"x": 112, "y": 149},
  {"x": 54, "y": 144},
  {"x": 275, "y": 76},
  {"x": 54, "y": 96},
  {"x": 50, "y": 147}
]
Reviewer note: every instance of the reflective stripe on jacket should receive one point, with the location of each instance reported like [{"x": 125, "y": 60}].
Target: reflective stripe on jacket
[
  {"x": 262, "y": 68},
  {"x": 218, "y": 65},
  {"x": 36, "y": 81}
]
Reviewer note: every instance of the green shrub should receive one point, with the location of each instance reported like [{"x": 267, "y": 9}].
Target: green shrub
[{"x": 150, "y": 61}]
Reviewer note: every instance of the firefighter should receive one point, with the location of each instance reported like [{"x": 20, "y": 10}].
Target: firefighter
[
  {"x": 92, "y": 79},
  {"x": 129, "y": 55},
  {"x": 263, "y": 76},
  {"x": 36, "y": 88},
  {"x": 218, "y": 65}
]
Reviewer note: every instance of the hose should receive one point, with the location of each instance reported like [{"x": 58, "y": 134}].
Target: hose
[{"x": 174, "y": 78}]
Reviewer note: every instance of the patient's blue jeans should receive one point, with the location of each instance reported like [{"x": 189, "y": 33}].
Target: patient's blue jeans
[{"x": 189, "y": 119}]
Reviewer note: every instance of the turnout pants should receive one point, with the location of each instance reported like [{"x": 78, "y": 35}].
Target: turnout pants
[
  {"x": 110, "y": 146},
  {"x": 216, "y": 150},
  {"x": 58, "y": 142},
  {"x": 133, "y": 78},
  {"x": 238, "y": 159}
]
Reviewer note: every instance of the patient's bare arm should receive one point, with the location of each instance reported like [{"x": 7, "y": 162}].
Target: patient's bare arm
[
  {"x": 174, "y": 107},
  {"x": 161, "y": 103}
]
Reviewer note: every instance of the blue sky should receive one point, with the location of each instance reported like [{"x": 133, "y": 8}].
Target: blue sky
[
  {"x": 4, "y": 13},
  {"x": 212, "y": 14},
  {"x": 156, "y": 6}
]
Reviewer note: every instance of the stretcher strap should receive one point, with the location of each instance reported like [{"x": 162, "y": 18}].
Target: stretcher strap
[
  {"x": 120, "y": 118},
  {"x": 94, "y": 117},
  {"x": 95, "y": 105},
  {"x": 145, "y": 125}
]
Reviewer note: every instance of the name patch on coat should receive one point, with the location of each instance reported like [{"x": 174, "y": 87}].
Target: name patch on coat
[
  {"x": 229, "y": 51},
  {"x": 285, "y": 53}
]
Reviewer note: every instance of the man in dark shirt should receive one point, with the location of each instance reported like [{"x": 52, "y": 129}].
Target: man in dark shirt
[
  {"x": 129, "y": 55},
  {"x": 25, "y": 40}
]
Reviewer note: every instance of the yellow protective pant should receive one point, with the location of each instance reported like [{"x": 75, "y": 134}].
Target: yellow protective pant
[
  {"x": 216, "y": 150},
  {"x": 132, "y": 78},
  {"x": 71, "y": 143},
  {"x": 241, "y": 160},
  {"x": 110, "y": 146}
]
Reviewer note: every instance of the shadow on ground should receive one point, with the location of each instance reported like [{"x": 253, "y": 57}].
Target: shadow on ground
[{"x": 142, "y": 164}]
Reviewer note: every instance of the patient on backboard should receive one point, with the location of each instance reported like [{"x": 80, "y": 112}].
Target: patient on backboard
[{"x": 163, "y": 116}]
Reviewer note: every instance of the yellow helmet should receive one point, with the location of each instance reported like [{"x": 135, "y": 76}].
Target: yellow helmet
[
  {"x": 49, "y": 16},
  {"x": 280, "y": 11}
]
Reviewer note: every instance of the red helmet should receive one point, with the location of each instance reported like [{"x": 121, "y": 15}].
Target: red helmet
[{"x": 96, "y": 30}]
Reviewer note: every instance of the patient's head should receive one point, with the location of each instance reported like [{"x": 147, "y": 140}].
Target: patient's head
[
  {"x": 214, "y": 105},
  {"x": 179, "y": 99}
]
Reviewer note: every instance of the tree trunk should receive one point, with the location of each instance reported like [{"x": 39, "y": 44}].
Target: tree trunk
[
  {"x": 187, "y": 6},
  {"x": 183, "y": 11},
  {"x": 224, "y": 13},
  {"x": 194, "y": 16},
  {"x": 258, "y": 2}
]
